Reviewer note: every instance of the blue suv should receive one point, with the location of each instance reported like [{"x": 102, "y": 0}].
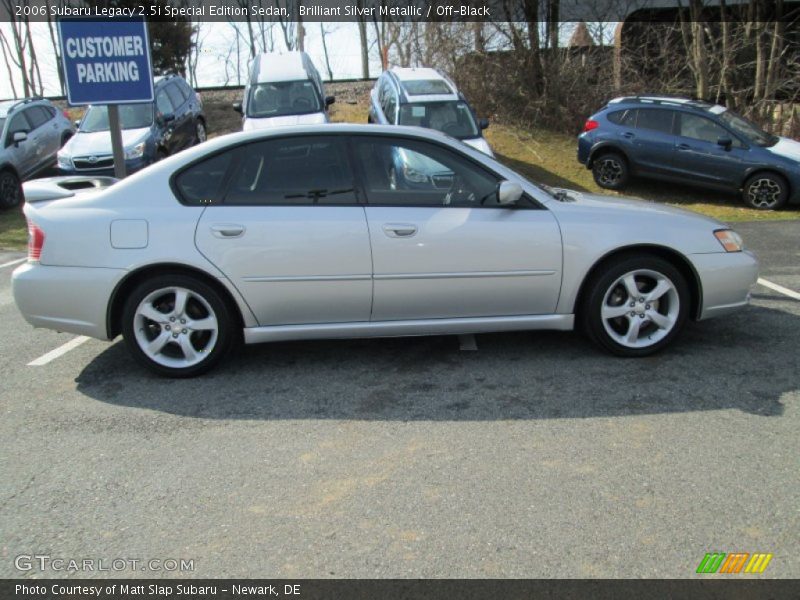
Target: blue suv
[
  {"x": 150, "y": 131},
  {"x": 688, "y": 141}
]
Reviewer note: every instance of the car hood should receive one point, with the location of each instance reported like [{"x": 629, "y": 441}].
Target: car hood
[
  {"x": 480, "y": 144},
  {"x": 787, "y": 148},
  {"x": 631, "y": 206},
  {"x": 251, "y": 123},
  {"x": 99, "y": 142}
]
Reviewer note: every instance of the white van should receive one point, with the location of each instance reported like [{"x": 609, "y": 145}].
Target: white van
[{"x": 283, "y": 89}]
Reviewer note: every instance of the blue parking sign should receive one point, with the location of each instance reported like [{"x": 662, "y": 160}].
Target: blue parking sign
[{"x": 106, "y": 61}]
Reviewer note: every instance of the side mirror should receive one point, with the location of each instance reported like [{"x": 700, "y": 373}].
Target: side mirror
[
  {"x": 483, "y": 124},
  {"x": 168, "y": 118},
  {"x": 508, "y": 193},
  {"x": 329, "y": 100},
  {"x": 237, "y": 106},
  {"x": 725, "y": 142},
  {"x": 19, "y": 137},
  {"x": 77, "y": 122}
]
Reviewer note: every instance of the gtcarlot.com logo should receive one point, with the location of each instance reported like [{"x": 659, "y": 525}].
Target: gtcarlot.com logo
[
  {"x": 45, "y": 562},
  {"x": 720, "y": 562}
]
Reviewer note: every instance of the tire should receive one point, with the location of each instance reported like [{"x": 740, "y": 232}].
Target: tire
[
  {"x": 765, "y": 191},
  {"x": 659, "y": 312},
  {"x": 610, "y": 171},
  {"x": 200, "y": 134},
  {"x": 173, "y": 342},
  {"x": 10, "y": 189}
]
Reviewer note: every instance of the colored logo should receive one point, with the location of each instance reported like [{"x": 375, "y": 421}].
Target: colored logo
[{"x": 719, "y": 562}]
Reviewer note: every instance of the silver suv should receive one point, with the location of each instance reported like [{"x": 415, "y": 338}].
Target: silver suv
[{"x": 32, "y": 131}]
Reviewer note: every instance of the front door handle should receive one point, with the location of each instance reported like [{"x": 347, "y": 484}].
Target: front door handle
[
  {"x": 400, "y": 230},
  {"x": 227, "y": 230},
  {"x": 684, "y": 147}
]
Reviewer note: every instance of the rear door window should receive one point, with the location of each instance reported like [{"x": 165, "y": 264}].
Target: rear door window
[
  {"x": 37, "y": 116},
  {"x": 655, "y": 119}
]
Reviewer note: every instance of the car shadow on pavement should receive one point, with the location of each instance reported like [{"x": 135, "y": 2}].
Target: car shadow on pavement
[
  {"x": 746, "y": 362},
  {"x": 537, "y": 174}
]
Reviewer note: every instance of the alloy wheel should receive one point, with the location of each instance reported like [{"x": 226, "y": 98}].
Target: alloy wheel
[
  {"x": 640, "y": 308},
  {"x": 200, "y": 132},
  {"x": 764, "y": 193},
  {"x": 609, "y": 171}
]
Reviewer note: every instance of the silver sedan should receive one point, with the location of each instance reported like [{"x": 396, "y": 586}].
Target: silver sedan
[{"x": 332, "y": 231}]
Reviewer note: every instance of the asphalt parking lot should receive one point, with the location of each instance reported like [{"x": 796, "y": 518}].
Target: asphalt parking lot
[{"x": 534, "y": 456}]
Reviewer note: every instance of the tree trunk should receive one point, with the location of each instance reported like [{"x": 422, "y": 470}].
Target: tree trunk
[{"x": 362, "y": 32}]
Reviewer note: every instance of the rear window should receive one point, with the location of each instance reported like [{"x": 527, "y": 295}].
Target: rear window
[{"x": 426, "y": 87}]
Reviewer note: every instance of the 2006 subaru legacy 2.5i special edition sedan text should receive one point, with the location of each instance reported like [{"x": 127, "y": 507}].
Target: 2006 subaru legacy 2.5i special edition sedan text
[{"x": 301, "y": 233}]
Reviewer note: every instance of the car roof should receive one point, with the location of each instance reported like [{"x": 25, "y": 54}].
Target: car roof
[
  {"x": 8, "y": 106},
  {"x": 279, "y": 66},
  {"x": 668, "y": 101},
  {"x": 406, "y": 76}
]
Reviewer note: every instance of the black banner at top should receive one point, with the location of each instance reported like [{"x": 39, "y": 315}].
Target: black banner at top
[{"x": 399, "y": 10}]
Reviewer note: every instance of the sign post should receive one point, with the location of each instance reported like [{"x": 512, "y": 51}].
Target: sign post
[{"x": 107, "y": 61}]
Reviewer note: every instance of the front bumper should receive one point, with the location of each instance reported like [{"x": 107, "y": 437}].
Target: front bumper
[
  {"x": 726, "y": 279},
  {"x": 71, "y": 299}
]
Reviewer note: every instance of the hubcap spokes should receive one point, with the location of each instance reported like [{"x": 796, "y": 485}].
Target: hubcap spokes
[
  {"x": 764, "y": 193},
  {"x": 201, "y": 132},
  {"x": 175, "y": 327},
  {"x": 640, "y": 308},
  {"x": 610, "y": 171}
]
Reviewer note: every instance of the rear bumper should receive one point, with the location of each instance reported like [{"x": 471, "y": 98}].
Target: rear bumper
[
  {"x": 71, "y": 299},
  {"x": 726, "y": 279},
  {"x": 584, "y": 149}
]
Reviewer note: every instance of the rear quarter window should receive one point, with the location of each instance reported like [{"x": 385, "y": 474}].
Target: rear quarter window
[
  {"x": 623, "y": 117},
  {"x": 201, "y": 183}
]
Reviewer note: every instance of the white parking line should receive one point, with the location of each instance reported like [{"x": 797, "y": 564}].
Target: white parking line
[
  {"x": 60, "y": 351},
  {"x": 779, "y": 288},
  {"x": 467, "y": 343},
  {"x": 13, "y": 262}
]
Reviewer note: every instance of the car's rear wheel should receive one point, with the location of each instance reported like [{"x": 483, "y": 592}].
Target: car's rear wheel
[
  {"x": 200, "y": 135},
  {"x": 765, "y": 191},
  {"x": 177, "y": 326},
  {"x": 10, "y": 189},
  {"x": 610, "y": 171},
  {"x": 636, "y": 306}
]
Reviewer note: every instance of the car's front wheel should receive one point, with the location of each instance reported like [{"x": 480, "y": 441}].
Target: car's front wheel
[
  {"x": 10, "y": 190},
  {"x": 765, "y": 191},
  {"x": 200, "y": 135},
  {"x": 610, "y": 171},
  {"x": 636, "y": 306},
  {"x": 177, "y": 326}
]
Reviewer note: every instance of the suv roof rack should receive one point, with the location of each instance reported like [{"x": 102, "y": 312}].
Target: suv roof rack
[
  {"x": 665, "y": 100},
  {"x": 23, "y": 102}
]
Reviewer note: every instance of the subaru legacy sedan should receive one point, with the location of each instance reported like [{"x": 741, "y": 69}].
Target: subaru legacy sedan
[{"x": 298, "y": 233}]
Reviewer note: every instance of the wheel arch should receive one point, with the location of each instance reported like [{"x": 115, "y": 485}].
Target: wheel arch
[
  {"x": 674, "y": 257},
  {"x": 770, "y": 170},
  {"x": 603, "y": 147},
  {"x": 7, "y": 166},
  {"x": 134, "y": 278}
]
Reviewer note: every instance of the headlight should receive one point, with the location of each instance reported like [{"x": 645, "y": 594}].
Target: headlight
[
  {"x": 730, "y": 240},
  {"x": 135, "y": 152},
  {"x": 64, "y": 161},
  {"x": 413, "y": 175}
]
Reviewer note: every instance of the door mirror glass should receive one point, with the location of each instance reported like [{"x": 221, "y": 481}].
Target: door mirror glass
[
  {"x": 725, "y": 142},
  {"x": 508, "y": 193}
]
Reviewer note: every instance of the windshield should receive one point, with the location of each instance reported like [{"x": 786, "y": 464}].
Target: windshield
[
  {"x": 281, "y": 98},
  {"x": 131, "y": 116},
  {"x": 748, "y": 129},
  {"x": 452, "y": 117}
]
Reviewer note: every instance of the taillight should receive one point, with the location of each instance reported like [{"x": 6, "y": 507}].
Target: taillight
[
  {"x": 66, "y": 114},
  {"x": 589, "y": 125},
  {"x": 35, "y": 241}
]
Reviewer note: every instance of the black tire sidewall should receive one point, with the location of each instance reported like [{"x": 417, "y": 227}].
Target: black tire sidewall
[
  {"x": 4, "y": 203},
  {"x": 623, "y": 180},
  {"x": 777, "y": 179},
  {"x": 225, "y": 335},
  {"x": 592, "y": 322}
]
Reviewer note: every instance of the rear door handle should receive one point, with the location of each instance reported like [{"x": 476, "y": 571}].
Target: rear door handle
[
  {"x": 400, "y": 230},
  {"x": 227, "y": 230},
  {"x": 628, "y": 134}
]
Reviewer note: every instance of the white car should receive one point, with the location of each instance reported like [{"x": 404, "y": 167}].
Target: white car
[{"x": 298, "y": 233}]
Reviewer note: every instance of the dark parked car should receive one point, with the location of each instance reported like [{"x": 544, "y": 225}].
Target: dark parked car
[
  {"x": 689, "y": 141},
  {"x": 32, "y": 131},
  {"x": 150, "y": 131}
]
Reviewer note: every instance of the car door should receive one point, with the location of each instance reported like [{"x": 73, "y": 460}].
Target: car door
[
  {"x": 183, "y": 123},
  {"x": 171, "y": 134},
  {"x": 651, "y": 141},
  {"x": 442, "y": 247},
  {"x": 45, "y": 124},
  {"x": 23, "y": 154},
  {"x": 699, "y": 156},
  {"x": 287, "y": 230}
]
